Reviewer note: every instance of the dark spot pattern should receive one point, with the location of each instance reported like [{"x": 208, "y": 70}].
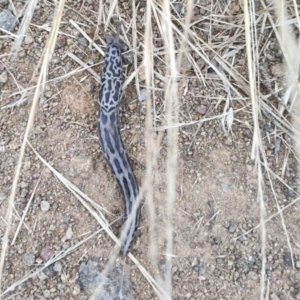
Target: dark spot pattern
[
  {"x": 133, "y": 183},
  {"x": 112, "y": 118},
  {"x": 118, "y": 166},
  {"x": 110, "y": 139},
  {"x": 127, "y": 190},
  {"x": 103, "y": 119}
]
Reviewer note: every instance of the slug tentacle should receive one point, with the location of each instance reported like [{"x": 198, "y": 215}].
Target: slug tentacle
[{"x": 110, "y": 139}]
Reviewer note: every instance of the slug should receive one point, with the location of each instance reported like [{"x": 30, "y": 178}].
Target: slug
[{"x": 110, "y": 139}]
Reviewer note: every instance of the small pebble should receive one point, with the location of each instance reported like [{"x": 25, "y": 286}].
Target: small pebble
[
  {"x": 229, "y": 141},
  {"x": 28, "y": 259},
  {"x": 61, "y": 41},
  {"x": 45, "y": 206},
  {"x": 46, "y": 254},
  {"x": 76, "y": 289},
  {"x": 24, "y": 193},
  {"x": 57, "y": 267},
  {"x": 232, "y": 228},
  {"x": 201, "y": 109},
  {"x": 83, "y": 42},
  {"x": 248, "y": 133},
  {"x": 28, "y": 40},
  {"x": 69, "y": 233},
  {"x": 143, "y": 95},
  {"x": 3, "y": 77},
  {"x": 227, "y": 188},
  {"x": 2, "y": 197},
  {"x": 7, "y": 20},
  {"x": 56, "y": 60},
  {"x": 273, "y": 296}
]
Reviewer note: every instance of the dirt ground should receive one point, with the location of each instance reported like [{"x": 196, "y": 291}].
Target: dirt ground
[{"x": 216, "y": 255}]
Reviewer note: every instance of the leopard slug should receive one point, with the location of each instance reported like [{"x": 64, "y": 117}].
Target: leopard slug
[{"x": 110, "y": 138}]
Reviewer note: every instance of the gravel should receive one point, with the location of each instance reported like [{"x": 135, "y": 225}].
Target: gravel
[
  {"x": 28, "y": 259},
  {"x": 2, "y": 197},
  {"x": 45, "y": 206},
  {"x": 3, "y": 77},
  {"x": 90, "y": 278},
  {"x": 7, "y": 20},
  {"x": 57, "y": 267},
  {"x": 69, "y": 233},
  {"x": 46, "y": 254}
]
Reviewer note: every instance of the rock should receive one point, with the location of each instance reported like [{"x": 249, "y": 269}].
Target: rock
[
  {"x": 178, "y": 7},
  {"x": 277, "y": 69},
  {"x": 234, "y": 8},
  {"x": 24, "y": 193},
  {"x": 143, "y": 95},
  {"x": 46, "y": 254},
  {"x": 232, "y": 228},
  {"x": 83, "y": 42},
  {"x": 56, "y": 59},
  {"x": 229, "y": 141},
  {"x": 273, "y": 296},
  {"x": 45, "y": 206},
  {"x": 57, "y": 267},
  {"x": 61, "y": 41},
  {"x": 76, "y": 289},
  {"x": 90, "y": 278},
  {"x": 28, "y": 40},
  {"x": 288, "y": 258},
  {"x": 81, "y": 166},
  {"x": 2, "y": 197},
  {"x": 69, "y": 233},
  {"x": 3, "y": 77},
  {"x": 201, "y": 109},
  {"x": 28, "y": 259},
  {"x": 7, "y": 20},
  {"x": 200, "y": 63},
  {"x": 227, "y": 188},
  {"x": 298, "y": 264},
  {"x": 252, "y": 275},
  {"x": 248, "y": 133}
]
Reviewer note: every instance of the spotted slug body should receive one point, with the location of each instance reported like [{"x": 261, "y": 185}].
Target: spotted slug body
[{"x": 110, "y": 138}]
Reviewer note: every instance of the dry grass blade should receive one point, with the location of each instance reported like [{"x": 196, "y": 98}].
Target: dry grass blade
[
  {"x": 23, "y": 27},
  {"x": 252, "y": 60},
  {"x": 41, "y": 81},
  {"x": 26, "y": 210},
  {"x": 87, "y": 37},
  {"x": 84, "y": 65}
]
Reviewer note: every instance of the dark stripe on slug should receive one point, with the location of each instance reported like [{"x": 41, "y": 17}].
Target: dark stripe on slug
[
  {"x": 103, "y": 119},
  {"x": 127, "y": 191},
  {"x": 115, "y": 70},
  {"x": 124, "y": 160},
  {"x": 108, "y": 141},
  {"x": 112, "y": 118},
  {"x": 107, "y": 97},
  {"x": 118, "y": 143},
  {"x": 118, "y": 166},
  {"x": 110, "y": 85},
  {"x": 118, "y": 85},
  {"x": 133, "y": 184}
]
